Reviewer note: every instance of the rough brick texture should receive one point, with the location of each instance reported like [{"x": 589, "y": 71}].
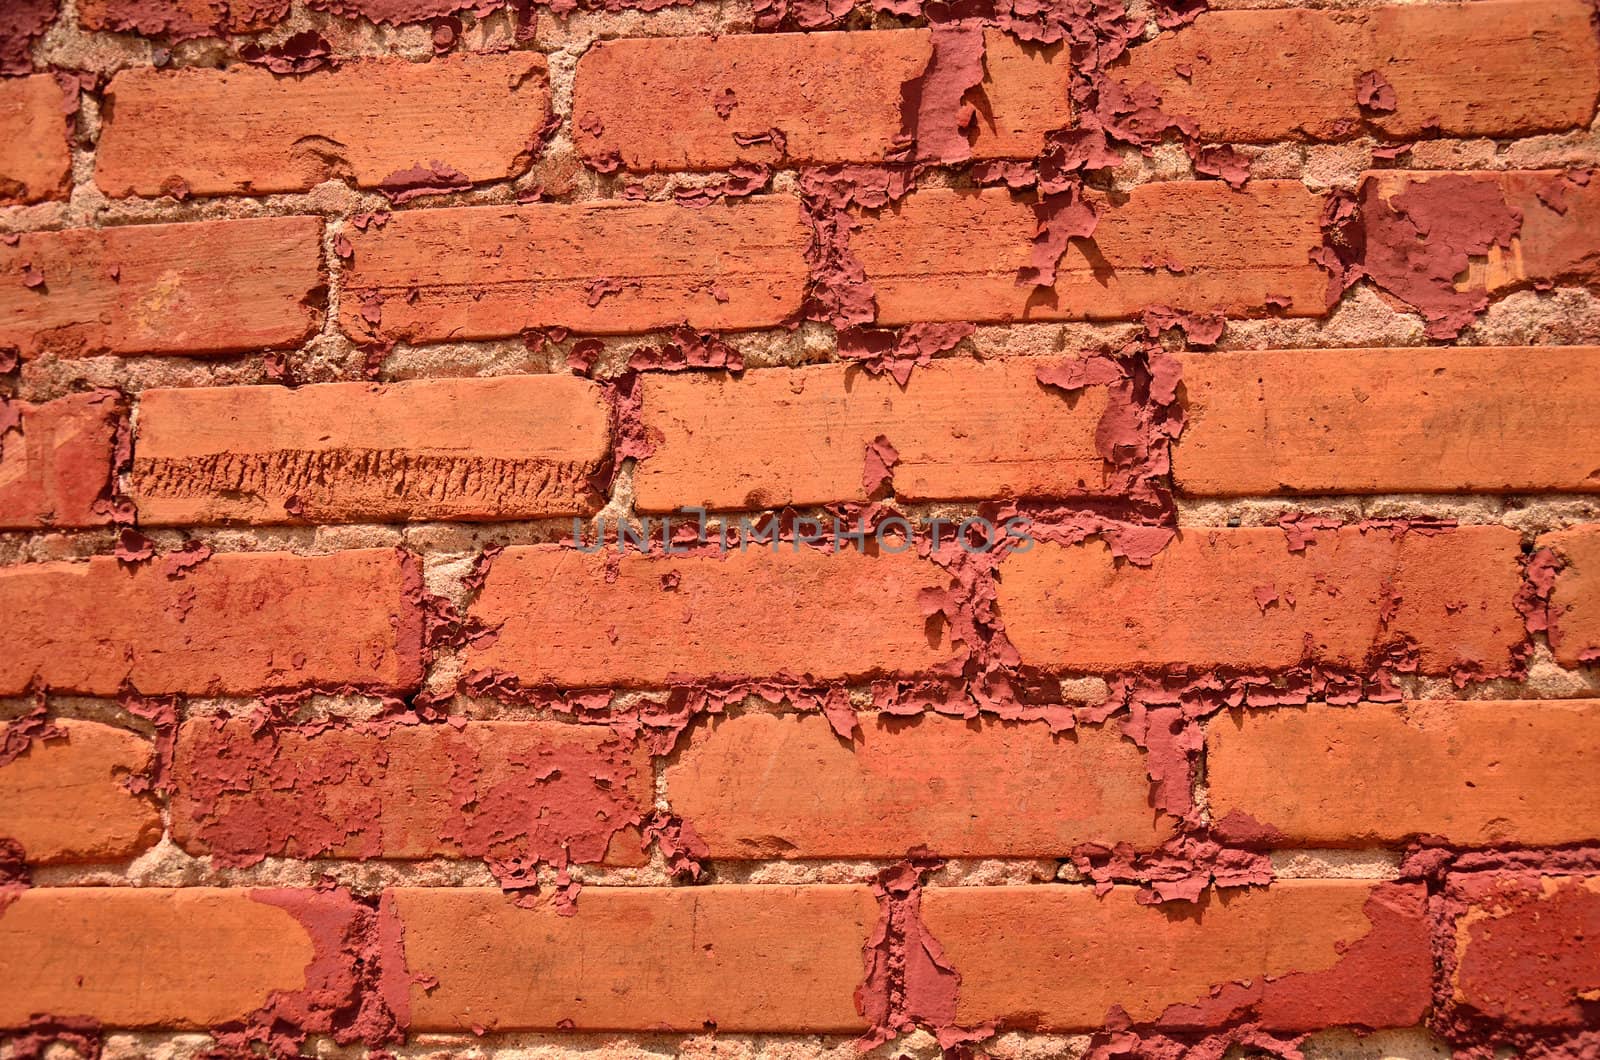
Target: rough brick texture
[
  {"x": 599, "y": 621},
  {"x": 37, "y": 162},
  {"x": 946, "y": 255},
  {"x": 204, "y": 288},
  {"x": 495, "y": 789},
  {"x": 1575, "y": 597},
  {"x": 1245, "y": 599},
  {"x": 65, "y": 797},
  {"x": 1524, "y": 948},
  {"x": 515, "y": 448},
  {"x": 236, "y": 624},
  {"x": 759, "y": 786},
  {"x": 1303, "y": 954},
  {"x": 688, "y": 102},
  {"x": 1485, "y": 69},
  {"x": 799, "y": 436},
  {"x": 1472, "y": 774},
  {"x": 482, "y": 113},
  {"x": 1388, "y": 421},
  {"x": 738, "y": 958},
  {"x": 57, "y": 459},
  {"x": 799, "y": 528},
  {"x": 487, "y": 272}
]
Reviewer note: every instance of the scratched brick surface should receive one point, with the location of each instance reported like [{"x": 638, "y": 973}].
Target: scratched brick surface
[{"x": 800, "y": 528}]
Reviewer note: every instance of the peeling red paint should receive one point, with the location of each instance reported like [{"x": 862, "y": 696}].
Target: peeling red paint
[{"x": 909, "y": 982}]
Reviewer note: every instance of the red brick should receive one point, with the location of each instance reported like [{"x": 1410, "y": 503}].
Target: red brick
[
  {"x": 1478, "y": 419},
  {"x": 740, "y": 958},
  {"x": 494, "y": 271},
  {"x": 800, "y": 435},
  {"x": 1525, "y": 952},
  {"x": 836, "y": 97},
  {"x": 57, "y": 463},
  {"x": 763, "y": 786},
  {"x": 1552, "y": 245},
  {"x": 599, "y": 620},
  {"x": 1499, "y": 68},
  {"x": 1473, "y": 774},
  {"x": 1451, "y": 593},
  {"x": 365, "y": 790},
  {"x": 208, "y": 287},
  {"x": 376, "y": 122},
  {"x": 37, "y": 163},
  {"x": 1575, "y": 599},
  {"x": 955, "y": 255},
  {"x": 66, "y": 798},
  {"x": 148, "y": 957},
  {"x": 236, "y": 624},
  {"x": 513, "y": 447},
  {"x": 180, "y": 19},
  {"x": 1315, "y": 953}
]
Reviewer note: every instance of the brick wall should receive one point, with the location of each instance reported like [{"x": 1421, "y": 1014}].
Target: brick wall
[{"x": 1208, "y": 395}]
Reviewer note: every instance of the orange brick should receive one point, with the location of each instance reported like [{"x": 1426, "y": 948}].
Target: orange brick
[
  {"x": 1475, "y": 774},
  {"x": 373, "y": 121},
  {"x": 686, "y": 102},
  {"x": 136, "y": 957},
  {"x": 238, "y": 623},
  {"x": 37, "y": 163},
  {"x": 1498, "y": 68},
  {"x": 563, "y": 620},
  {"x": 66, "y": 799},
  {"x": 1575, "y": 599},
  {"x": 209, "y": 287},
  {"x": 955, "y": 255},
  {"x": 740, "y": 958},
  {"x": 1315, "y": 953},
  {"x": 486, "y": 789},
  {"x": 492, "y": 271},
  {"x": 180, "y": 19},
  {"x": 1551, "y": 246},
  {"x": 1451, "y": 593},
  {"x": 1524, "y": 949},
  {"x": 1477, "y": 419},
  {"x": 57, "y": 463},
  {"x": 514, "y": 447},
  {"x": 763, "y": 786},
  {"x": 800, "y": 435}
]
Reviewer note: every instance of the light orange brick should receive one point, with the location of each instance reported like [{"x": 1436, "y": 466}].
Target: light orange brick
[
  {"x": 66, "y": 799},
  {"x": 1575, "y": 597},
  {"x": 56, "y": 465},
  {"x": 37, "y": 162}
]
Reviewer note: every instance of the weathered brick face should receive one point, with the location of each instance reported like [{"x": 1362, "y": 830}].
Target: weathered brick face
[{"x": 799, "y": 529}]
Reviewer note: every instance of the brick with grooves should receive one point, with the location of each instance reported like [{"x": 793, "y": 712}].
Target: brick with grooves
[
  {"x": 193, "y": 957},
  {"x": 740, "y": 958},
  {"x": 688, "y": 102},
  {"x": 1242, "y": 599},
  {"x": 56, "y": 465},
  {"x": 573, "y": 620},
  {"x": 1499, "y": 68},
  {"x": 1300, "y": 955},
  {"x": 496, "y": 789},
  {"x": 1524, "y": 949},
  {"x": 1575, "y": 598},
  {"x": 238, "y": 623},
  {"x": 1197, "y": 245},
  {"x": 607, "y": 267},
  {"x": 1481, "y": 419},
  {"x": 37, "y": 162},
  {"x": 764, "y": 786},
  {"x": 378, "y": 122},
  {"x": 799, "y": 435},
  {"x": 517, "y": 447},
  {"x": 65, "y": 798},
  {"x": 202, "y": 288},
  {"x": 1470, "y": 773}
]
